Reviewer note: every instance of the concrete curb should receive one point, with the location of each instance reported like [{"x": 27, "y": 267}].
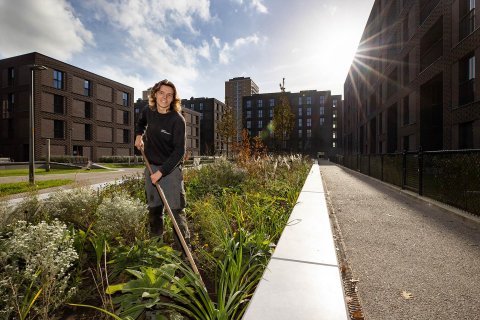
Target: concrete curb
[{"x": 302, "y": 279}]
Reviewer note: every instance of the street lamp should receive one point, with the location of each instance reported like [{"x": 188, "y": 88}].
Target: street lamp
[{"x": 31, "y": 155}]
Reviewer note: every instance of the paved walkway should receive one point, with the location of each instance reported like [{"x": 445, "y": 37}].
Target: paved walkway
[
  {"x": 397, "y": 244},
  {"x": 81, "y": 179}
]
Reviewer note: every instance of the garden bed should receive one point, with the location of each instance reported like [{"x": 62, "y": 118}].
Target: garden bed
[{"x": 89, "y": 248}]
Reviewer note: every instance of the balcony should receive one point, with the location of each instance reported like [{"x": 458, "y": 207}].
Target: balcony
[
  {"x": 466, "y": 92},
  {"x": 426, "y": 7},
  {"x": 431, "y": 54}
]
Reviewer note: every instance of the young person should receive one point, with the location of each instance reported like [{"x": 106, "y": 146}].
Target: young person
[{"x": 160, "y": 131}]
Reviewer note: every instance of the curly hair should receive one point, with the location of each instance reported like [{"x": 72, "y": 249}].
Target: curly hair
[{"x": 152, "y": 100}]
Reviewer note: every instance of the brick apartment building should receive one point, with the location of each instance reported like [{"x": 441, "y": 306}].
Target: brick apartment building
[
  {"x": 413, "y": 81},
  {"x": 235, "y": 90},
  {"x": 80, "y": 112},
  {"x": 211, "y": 112},
  {"x": 317, "y": 120},
  {"x": 192, "y": 123}
]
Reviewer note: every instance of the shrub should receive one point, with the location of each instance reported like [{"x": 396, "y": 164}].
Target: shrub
[
  {"x": 36, "y": 263},
  {"x": 122, "y": 216},
  {"x": 76, "y": 206}
]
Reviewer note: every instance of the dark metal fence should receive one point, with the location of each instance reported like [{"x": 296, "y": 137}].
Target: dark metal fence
[{"x": 451, "y": 177}]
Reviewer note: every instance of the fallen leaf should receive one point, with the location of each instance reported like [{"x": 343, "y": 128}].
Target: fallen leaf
[
  {"x": 407, "y": 295},
  {"x": 357, "y": 315}
]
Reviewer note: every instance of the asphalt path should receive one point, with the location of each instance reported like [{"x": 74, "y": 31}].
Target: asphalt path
[{"x": 413, "y": 259}]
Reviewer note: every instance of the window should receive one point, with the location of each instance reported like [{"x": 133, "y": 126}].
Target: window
[
  {"x": 334, "y": 113},
  {"x": 334, "y": 134},
  {"x": 260, "y": 113},
  {"x": 322, "y": 121},
  {"x": 11, "y": 102},
  {"x": 249, "y": 104},
  {"x": 309, "y": 111},
  {"x": 88, "y": 110},
  {"x": 77, "y": 150},
  {"x": 467, "y": 79},
  {"x": 309, "y": 122},
  {"x": 201, "y": 106},
  {"x": 309, "y": 100},
  {"x": 465, "y": 135},
  {"x": 58, "y": 77},
  {"x": 334, "y": 124},
  {"x": 300, "y": 123},
  {"x": 126, "y": 136},
  {"x": 58, "y": 129},
  {"x": 322, "y": 111},
  {"x": 87, "y": 87},
  {"x": 299, "y": 111},
  {"x": 334, "y": 103},
  {"x": 125, "y": 99},
  {"x": 272, "y": 102},
  {"x": 271, "y": 113},
  {"x": 260, "y": 124},
  {"x": 88, "y": 132},
  {"x": 126, "y": 117},
  {"x": 11, "y": 76},
  {"x": 192, "y": 106},
  {"x": 58, "y": 103},
  {"x": 309, "y": 133},
  {"x": 260, "y": 103},
  {"x": 299, "y": 101},
  {"x": 249, "y": 124},
  {"x": 334, "y": 144},
  {"x": 300, "y": 133},
  {"x": 467, "y": 17},
  {"x": 322, "y": 101},
  {"x": 249, "y": 114}
]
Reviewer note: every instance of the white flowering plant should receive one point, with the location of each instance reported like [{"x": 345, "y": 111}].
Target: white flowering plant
[
  {"x": 122, "y": 216},
  {"x": 76, "y": 206},
  {"x": 36, "y": 266}
]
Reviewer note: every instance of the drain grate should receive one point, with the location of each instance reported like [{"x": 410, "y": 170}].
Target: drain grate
[{"x": 350, "y": 290}]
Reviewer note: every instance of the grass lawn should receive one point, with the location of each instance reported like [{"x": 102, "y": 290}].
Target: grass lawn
[
  {"x": 24, "y": 172},
  {"x": 20, "y": 187}
]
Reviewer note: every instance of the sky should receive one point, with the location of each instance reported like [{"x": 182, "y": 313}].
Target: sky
[{"x": 196, "y": 44}]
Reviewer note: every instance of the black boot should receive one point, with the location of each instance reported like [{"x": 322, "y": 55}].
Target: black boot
[{"x": 155, "y": 218}]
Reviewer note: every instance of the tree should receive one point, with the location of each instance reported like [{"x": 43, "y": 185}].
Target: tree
[
  {"x": 226, "y": 127},
  {"x": 283, "y": 118}
]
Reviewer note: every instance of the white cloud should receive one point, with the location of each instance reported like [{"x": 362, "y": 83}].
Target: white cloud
[
  {"x": 259, "y": 6},
  {"x": 228, "y": 50},
  {"x": 48, "y": 26},
  {"x": 149, "y": 27}
]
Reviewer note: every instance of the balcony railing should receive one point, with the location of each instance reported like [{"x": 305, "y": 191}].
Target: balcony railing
[{"x": 467, "y": 24}]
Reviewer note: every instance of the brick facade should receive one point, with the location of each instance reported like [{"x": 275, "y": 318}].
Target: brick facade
[
  {"x": 73, "y": 108},
  {"x": 413, "y": 81}
]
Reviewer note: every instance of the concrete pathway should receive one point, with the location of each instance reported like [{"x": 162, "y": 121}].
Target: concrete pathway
[{"x": 413, "y": 260}]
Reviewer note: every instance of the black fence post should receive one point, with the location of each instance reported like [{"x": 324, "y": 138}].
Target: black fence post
[
  {"x": 381, "y": 167},
  {"x": 420, "y": 171},
  {"x": 404, "y": 168}
]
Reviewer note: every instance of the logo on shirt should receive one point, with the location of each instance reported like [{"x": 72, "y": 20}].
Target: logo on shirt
[{"x": 164, "y": 131}]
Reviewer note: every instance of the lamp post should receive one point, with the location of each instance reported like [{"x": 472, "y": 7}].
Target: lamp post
[{"x": 31, "y": 155}]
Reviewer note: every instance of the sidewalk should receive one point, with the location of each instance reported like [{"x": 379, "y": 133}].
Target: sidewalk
[{"x": 413, "y": 260}]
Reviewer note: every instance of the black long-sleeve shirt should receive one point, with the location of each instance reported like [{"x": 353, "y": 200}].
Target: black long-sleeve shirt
[{"x": 164, "y": 139}]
